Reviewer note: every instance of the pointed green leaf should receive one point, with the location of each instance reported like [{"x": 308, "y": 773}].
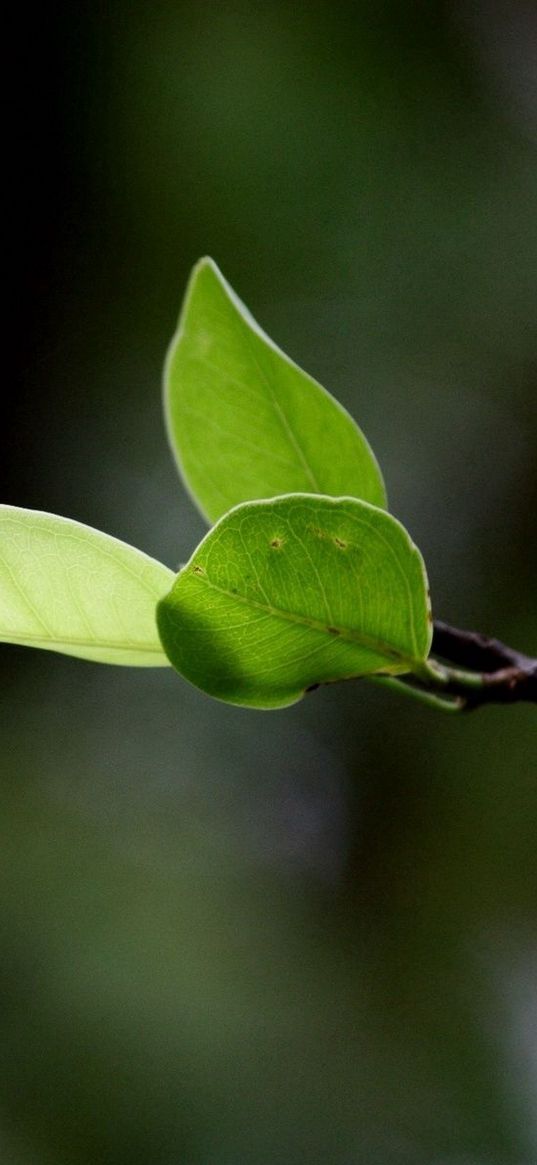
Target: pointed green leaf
[
  {"x": 296, "y": 591},
  {"x": 244, "y": 422},
  {"x": 68, "y": 588}
]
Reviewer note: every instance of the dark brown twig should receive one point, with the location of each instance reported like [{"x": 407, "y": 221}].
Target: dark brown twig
[
  {"x": 474, "y": 651},
  {"x": 493, "y": 672}
]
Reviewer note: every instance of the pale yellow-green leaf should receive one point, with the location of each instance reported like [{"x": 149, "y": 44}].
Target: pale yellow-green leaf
[{"x": 68, "y": 588}]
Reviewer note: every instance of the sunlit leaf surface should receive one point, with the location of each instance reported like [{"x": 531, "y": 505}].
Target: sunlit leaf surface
[
  {"x": 68, "y": 588},
  {"x": 244, "y": 421},
  {"x": 295, "y": 591}
]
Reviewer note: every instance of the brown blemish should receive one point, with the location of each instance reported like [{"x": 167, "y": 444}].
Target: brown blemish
[
  {"x": 333, "y": 630},
  {"x": 198, "y": 569},
  {"x": 325, "y": 536},
  {"x": 277, "y": 543}
]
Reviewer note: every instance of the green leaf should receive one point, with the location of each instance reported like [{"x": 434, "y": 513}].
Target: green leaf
[
  {"x": 244, "y": 422},
  {"x": 68, "y": 588},
  {"x": 296, "y": 591}
]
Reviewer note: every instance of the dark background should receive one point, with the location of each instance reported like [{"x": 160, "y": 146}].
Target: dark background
[{"x": 306, "y": 937}]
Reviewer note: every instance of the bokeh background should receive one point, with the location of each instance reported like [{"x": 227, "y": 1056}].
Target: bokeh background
[{"x": 306, "y": 937}]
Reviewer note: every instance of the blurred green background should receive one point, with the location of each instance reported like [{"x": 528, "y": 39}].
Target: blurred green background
[{"x": 306, "y": 937}]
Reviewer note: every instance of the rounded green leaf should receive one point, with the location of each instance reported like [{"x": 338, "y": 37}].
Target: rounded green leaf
[
  {"x": 68, "y": 588},
  {"x": 244, "y": 421},
  {"x": 300, "y": 590}
]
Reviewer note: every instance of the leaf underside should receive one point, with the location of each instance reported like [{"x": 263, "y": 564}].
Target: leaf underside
[
  {"x": 300, "y": 590},
  {"x": 245, "y": 422},
  {"x": 67, "y": 588}
]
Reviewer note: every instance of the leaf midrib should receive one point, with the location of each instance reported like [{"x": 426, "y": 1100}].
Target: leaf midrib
[
  {"x": 290, "y": 436},
  {"x": 361, "y": 639}
]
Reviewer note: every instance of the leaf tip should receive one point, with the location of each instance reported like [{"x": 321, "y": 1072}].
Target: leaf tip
[{"x": 207, "y": 265}]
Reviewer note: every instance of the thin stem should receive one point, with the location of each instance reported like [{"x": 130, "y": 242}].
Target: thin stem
[
  {"x": 439, "y": 675},
  {"x": 406, "y": 685}
]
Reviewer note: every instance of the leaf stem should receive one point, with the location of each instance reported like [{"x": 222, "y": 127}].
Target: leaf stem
[{"x": 407, "y": 685}]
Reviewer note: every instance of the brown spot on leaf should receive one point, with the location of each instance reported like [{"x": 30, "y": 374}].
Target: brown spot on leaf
[
  {"x": 197, "y": 569},
  {"x": 333, "y": 630},
  {"x": 341, "y": 545},
  {"x": 277, "y": 543}
]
